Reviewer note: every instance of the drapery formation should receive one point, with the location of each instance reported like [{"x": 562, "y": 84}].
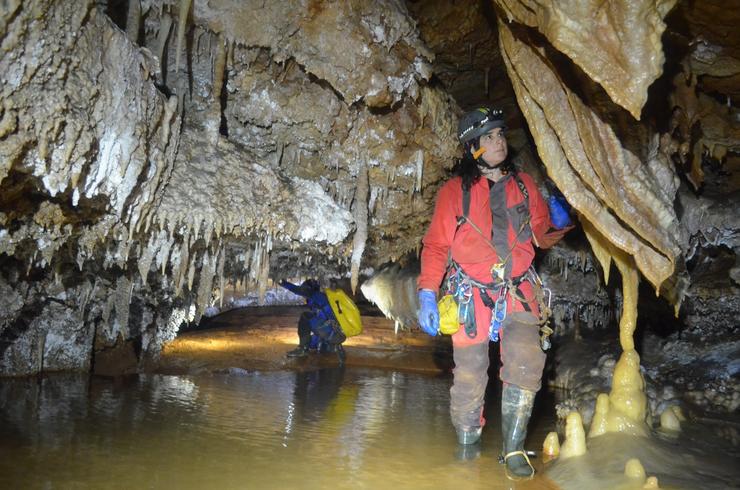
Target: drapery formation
[
  {"x": 608, "y": 184},
  {"x": 616, "y": 43}
]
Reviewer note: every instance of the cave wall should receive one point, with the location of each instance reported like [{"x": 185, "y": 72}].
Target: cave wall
[
  {"x": 153, "y": 151},
  {"x": 87, "y": 144}
]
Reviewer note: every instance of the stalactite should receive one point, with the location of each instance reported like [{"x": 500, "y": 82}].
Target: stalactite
[
  {"x": 221, "y": 283},
  {"x": 264, "y": 269},
  {"x": 133, "y": 20},
  {"x": 146, "y": 256},
  {"x": 219, "y": 73},
  {"x": 191, "y": 274},
  {"x": 419, "y": 170},
  {"x": 184, "y": 258},
  {"x": 205, "y": 283},
  {"x": 165, "y": 26},
  {"x": 585, "y": 159},
  {"x": 360, "y": 215},
  {"x": 122, "y": 301},
  {"x": 255, "y": 263},
  {"x": 164, "y": 251},
  {"x": 182, "y": 19}
]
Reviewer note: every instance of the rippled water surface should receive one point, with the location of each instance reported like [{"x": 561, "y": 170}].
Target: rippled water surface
[{"x": 328, "y": 428}]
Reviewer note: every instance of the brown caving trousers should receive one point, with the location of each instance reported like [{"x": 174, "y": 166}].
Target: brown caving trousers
[
  {"x": 522, "y": 363},
  {"x": 470, "y": 377},
  {"x": 522, "y": 358}
]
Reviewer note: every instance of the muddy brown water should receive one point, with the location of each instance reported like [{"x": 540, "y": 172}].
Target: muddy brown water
[
  {"x": 329, "y": 427},
  {"x": 228, "y": 410}
]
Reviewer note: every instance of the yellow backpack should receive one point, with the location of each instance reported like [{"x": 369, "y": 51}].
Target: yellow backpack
[{"x": 346, "y": 311}]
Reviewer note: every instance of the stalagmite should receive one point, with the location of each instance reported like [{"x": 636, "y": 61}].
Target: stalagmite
[
  {"x": 628, "y": 403},
  {"x": 669, "y": 421},
  {"x": 627, "y": 409},
  {"x": 634, "y": 469},
  {"x": 651, "y": 482},
  {"x": 599, "y": 421},
  {"x": 361, "y": 219},
  {"x": 551, "y": 446},
  {"x": 679, "y": 413},
  {"x": 575, "y": 437}
]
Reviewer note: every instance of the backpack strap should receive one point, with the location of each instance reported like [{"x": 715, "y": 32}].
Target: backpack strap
[
  {"x": 465, "y": 208},
  {"x": 525, "y": 193}
]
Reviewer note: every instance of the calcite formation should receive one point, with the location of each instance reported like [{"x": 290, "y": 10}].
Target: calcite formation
[
  {"x": 575, "y": 437},
  {"x": 551, "y": 446},
  {"x": 618, "y": 44},
  {"x": 604, "y": 181}
]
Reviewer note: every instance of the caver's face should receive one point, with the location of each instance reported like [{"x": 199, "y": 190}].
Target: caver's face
[{"x": 494, "y": 144}]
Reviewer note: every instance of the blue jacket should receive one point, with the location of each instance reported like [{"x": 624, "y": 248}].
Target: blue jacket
[{"x": 316, "y": 300}]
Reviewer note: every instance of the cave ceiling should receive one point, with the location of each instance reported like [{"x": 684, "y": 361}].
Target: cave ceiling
[{"x": 178, "y": 140}]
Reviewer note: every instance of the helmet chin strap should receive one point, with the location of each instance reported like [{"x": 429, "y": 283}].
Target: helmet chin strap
[
  {"x": 483, "y": 164},
  {"x": 477, "y": 154}
]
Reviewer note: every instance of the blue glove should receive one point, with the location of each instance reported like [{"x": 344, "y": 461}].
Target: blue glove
[
  {"x": 559, "y": 208},
  {"x": 428, "y": 312}
]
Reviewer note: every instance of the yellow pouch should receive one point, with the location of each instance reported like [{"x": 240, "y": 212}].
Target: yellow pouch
[{"x": 448, "y": 322}]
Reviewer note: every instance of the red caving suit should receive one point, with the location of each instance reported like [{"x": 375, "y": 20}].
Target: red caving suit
[{"x": 522, "y": 358}]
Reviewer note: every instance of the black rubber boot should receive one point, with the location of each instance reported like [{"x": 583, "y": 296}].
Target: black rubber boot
[
  {"x": 467, "y": 452},
  {"x": 300, "y": 351},
  {"x": 516, "y": 408},
  {"x": 469, "y": 436}
]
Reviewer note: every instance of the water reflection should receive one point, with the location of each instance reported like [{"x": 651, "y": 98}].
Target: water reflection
[{"x": 313, "y": 429}]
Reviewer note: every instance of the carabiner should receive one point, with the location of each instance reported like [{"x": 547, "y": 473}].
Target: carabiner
[
  {"x": 548, "y": 293},
  {"x": 464, "y": 292},
  {"x": 498, "y": 315}
]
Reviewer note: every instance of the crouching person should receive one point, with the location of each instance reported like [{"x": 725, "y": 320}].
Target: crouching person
[{"x": 318, "y": 327}]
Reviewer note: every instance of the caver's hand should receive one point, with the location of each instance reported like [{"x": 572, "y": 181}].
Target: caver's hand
[
  {"x": 428, "y": 312},
  {"x": 559, "y": 209},
  {"x": 553, "y": 236}
]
